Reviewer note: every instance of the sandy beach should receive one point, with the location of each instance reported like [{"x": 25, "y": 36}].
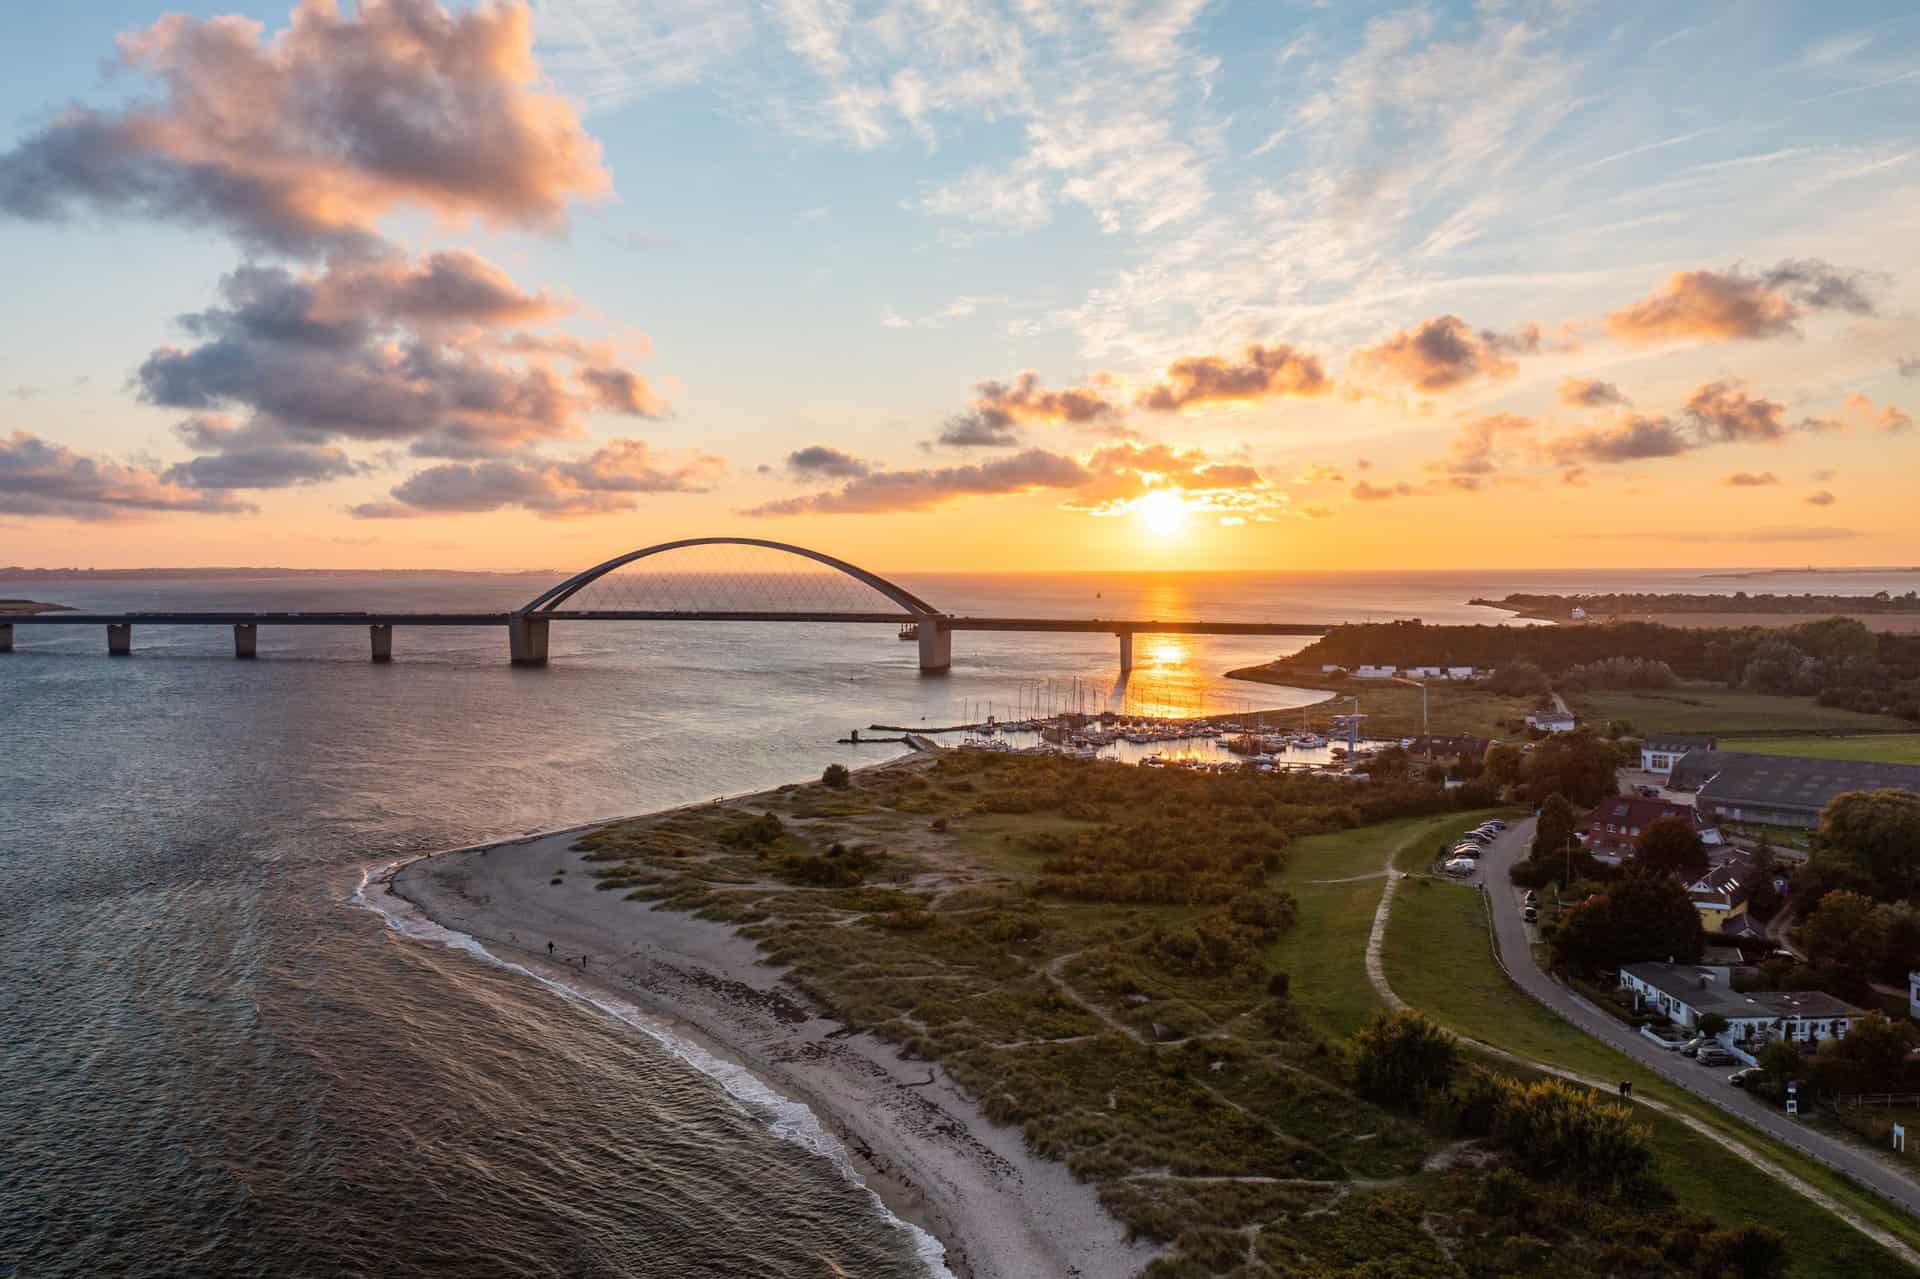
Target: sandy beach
[{"x": 917, "y": 1141}]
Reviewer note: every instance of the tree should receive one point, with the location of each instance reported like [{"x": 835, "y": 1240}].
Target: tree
[
  {"x": 1578, "y": 765},
  {"x": 836, "y": 777},
  {"x": 1503, "y": 763},
  {"x": 1872, "y": 1057},
  {"x": 1519, "y": 678},
  {"x": 1710, "y": 1023},
  {"x": 1554, "y": 830},
  {"x": 1646, "y": 917},
  {"x": 1842, "y": 937},
  {"x": 1400, "y": 1057},
  {"x": 1898, "y": 927},
  {"x": 1671, "y": 846},
  {"x": 1876, "y": 835}
]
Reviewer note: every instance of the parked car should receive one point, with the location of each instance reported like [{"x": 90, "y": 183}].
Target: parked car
[
  {"x": 1461, "y": 866},
  {"x": 1478, "y": 837},
  {"x": 1650, "y": 792},
  {"x": 1694, "y": 1045},
  {"x": 1745, "y": 1076},
  {"x": 1714, "y": 1055},
  {"x": 1530, "y": 914},
  {"x": 1533, "y": 897},
  {"x": 1493, "y": 823}
]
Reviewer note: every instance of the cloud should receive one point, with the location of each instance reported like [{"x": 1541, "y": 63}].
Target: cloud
[
  {"x": 1321, "y": 473},
  {"x": 605, "y": 481},
  {"x": 1001, "y": 408},
  {"x": 822, "y": 460},
  {"x": 1580, "y": 392},
  {"x": 1445, "y": 352},
  {"x": 1635, "y": 438},
  {"x": 1261, "y": 372},
  {"x": 300, "y": 143},
  {"x": 1316, "y": 512},
  {"x": 917, "y": 490},
  {"x": 1729, "y": 416},
  {"x": 39, "y": 478},
  {"x": 1736, "y": 305},
  {"x": 1750, "y": 479},
  {"x": 1365, "y": 492},
  {"x": 1821, "y": 498},
  {"x": 390, "y": 351},
  {"x": 1858, "y": 410},
  {"x": 1110, "y": 480},
  {"x": 1910, "y": 366},
  {"x": 1472, "y": 454},
  {"x": 1822, "y": 476},
  {"x": 255, "y": 456}
]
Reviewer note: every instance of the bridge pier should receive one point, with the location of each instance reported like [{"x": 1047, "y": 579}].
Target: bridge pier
[
  {"x": 936, "y": 646},
  {"x": 1126, "y": 651},
  {"x": 382, "y": 636},
  {"x": 246, "y": 640},
  {"x": 6, "y": 637},
  {"x": 119, "y": 639},
  {"x": 527, "y": 640}
]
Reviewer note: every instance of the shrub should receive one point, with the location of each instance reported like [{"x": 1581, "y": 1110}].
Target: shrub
[
  {"x": 836, "y": 777},
  {"x": 1559, "y": 1130},
  {"x": 1742, "y": 1252},
  {"x": 755, "y": 832},
  {"x": 1400, "y": 1057}
]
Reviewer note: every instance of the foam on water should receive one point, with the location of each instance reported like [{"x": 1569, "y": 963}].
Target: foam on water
[{"x": 789, "y": 1120}]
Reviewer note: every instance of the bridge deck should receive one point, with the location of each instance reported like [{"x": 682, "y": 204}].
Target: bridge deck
[{"x": 1061, "y": 625}]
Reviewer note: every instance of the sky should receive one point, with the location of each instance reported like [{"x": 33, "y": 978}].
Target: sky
[{"x": 1017, "y": 285}]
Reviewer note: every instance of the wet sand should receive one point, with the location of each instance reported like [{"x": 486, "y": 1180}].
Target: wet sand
[{"x": 917, "y": 1141}]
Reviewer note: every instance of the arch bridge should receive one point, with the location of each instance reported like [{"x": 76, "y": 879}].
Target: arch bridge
[{"x": 821, "y": 588}]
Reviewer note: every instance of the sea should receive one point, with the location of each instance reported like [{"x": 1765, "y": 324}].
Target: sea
[{"x": 221, "y": 1055}]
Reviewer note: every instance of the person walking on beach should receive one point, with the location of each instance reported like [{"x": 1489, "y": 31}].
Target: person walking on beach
[{"x": 549, "y": 950}]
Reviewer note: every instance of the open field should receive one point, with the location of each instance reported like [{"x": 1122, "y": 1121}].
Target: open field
[
  {"x": 1882, "y": 748},
  {"x": 1393, "y": 709},
  {"x": 1469, "y": 995},
  {"x": 1711, "y": 709},
  {"x": 1091, "y": 953},
  {"x": 1889, "y": 623}
]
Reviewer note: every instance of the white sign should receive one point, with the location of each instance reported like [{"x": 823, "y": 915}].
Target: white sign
[
  {"x": 1900, "y": 1138},
  {"x": 1793, "y": 1102}
]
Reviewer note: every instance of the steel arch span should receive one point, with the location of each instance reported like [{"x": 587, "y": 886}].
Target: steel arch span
[{"x": 552, "y": 599}]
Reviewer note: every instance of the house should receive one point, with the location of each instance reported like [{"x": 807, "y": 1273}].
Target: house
[
  {"x": 1615, "y": 825},
  {"x": 1579, "y": 614},
  {"x": 1721, "y": 894},
  {"x": 1461, "y": 672},
  {"x": 1553, "y": 722},
  {"x": 1659, "y": 754},
  {"x": 1333, "y": 668},
  {"x": 1448, "y": 749},
  {"x": 1426, "y": 672},
  {"x": 1779, "y": 790},
  {"x": 1687, "y": 992},
  {"x": 1377, "y": 672}
]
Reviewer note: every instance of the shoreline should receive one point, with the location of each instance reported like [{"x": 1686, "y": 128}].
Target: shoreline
[{"x": 918, "y": 1143}]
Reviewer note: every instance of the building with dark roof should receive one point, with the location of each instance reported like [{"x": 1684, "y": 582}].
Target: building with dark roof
[
  {"x": 1661, "y": 751},
  {"x": 1615, "y": 825},
  {"x": 1687, "y": 992},
  {"x": 1780, "y": 790},
  {"x": 1449, "y": 750},
  {"x": 1721, "y": 894}
]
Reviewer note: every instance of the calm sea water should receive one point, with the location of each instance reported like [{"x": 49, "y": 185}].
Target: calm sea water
[{"x": 212, "y": 1061}]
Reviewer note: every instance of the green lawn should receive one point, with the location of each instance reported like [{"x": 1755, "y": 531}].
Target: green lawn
[
  {"x": 1880, "y": 748},
  {"x": 1712, "y": 709},
  {"x": 1325, "y": 951},
  {"x": 1438, "y": 959}
]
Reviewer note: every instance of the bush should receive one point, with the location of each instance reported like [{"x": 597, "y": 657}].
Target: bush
[
  {"x": 1743, "y": 1252},
  {"x": 755, "y": 832},
  {"x": 1532, "y": 874},
  {"x": 1401, "y": 1057},
  {"x": 836, "y": 777},
  {"x": 1557, "y": 1130}
]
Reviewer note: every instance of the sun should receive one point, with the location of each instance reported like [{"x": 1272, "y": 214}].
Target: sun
[{"x": 1163, "y": 511}]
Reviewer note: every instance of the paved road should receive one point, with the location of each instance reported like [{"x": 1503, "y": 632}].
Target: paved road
[{"x": 1707, "y": 1083}]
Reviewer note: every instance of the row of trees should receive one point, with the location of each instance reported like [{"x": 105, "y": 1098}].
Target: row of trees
[{"x": 1839, "y": 659}]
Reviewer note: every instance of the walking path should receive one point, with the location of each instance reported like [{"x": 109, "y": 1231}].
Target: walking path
[{"x": 1514, "y": 951}]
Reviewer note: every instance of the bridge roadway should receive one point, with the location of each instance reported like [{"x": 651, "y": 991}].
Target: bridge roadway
[{"x": 527, "y": 631}]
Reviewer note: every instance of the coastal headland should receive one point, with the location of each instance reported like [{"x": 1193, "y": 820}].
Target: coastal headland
[{"x": 917, "y": 1140}]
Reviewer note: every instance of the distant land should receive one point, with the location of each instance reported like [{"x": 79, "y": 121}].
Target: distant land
[
  {"x": 1645, "y": 605},
  {"x": 14, "y": 571},
  {"x": 1802, "y": 572},
  {"x": 15, "y": 608}
]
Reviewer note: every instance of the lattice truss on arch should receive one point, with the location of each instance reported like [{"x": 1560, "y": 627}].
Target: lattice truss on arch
[{"x": 727, "y": 579}]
